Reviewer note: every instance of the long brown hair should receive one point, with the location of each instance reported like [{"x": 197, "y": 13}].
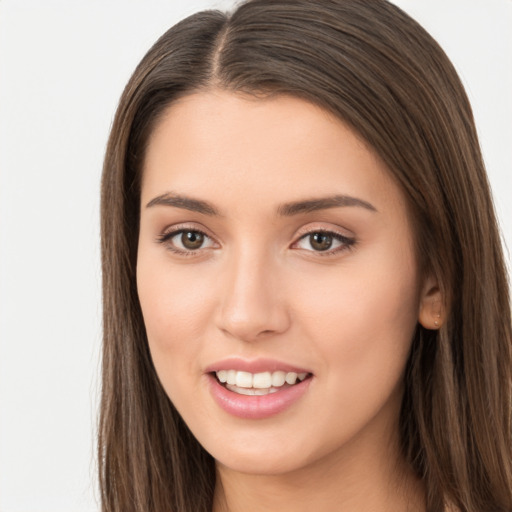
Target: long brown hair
[{"x": 375, "y": 68}]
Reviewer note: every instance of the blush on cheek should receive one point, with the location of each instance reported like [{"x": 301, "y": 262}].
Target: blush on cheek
[
  {"x": 175, "y": 310},
  {"x": 169, "y": 299},
  {"x": 365, "y": 316}
]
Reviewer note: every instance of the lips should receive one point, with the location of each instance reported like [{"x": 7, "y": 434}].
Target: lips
[
  {"x": 256, "y": 389},
  {"x": 254, "y": 366}
]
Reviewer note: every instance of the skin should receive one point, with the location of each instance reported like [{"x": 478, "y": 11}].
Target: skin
[{"x": 258, "y": 288}]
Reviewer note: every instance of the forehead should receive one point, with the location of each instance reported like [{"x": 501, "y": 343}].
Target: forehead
[{"x": 226, "y": 146}]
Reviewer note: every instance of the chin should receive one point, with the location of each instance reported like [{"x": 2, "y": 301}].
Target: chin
[
  {"x": 261, "y": 464},
  {"x": 277, "y": 456}
]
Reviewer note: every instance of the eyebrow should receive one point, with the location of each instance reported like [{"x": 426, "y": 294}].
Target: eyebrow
[
  {"x": 187, "y": 203},
  {"x": 285, "y": 210},
  {"x": 323, "y": 203}
]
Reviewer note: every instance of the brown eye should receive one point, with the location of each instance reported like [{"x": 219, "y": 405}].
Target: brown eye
[
  {"x": 320, "y": 241},
  {"x": 192, "y": 240},
  {"x": 326, "y": 242},
  {"x": 186, "y": 241}
]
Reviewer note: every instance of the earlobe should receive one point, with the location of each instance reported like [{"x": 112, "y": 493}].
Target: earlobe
[{"x": 431, "y": 310}]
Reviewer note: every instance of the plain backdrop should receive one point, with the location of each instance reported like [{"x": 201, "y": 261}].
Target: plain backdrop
[{"x": 63, "y": 65}]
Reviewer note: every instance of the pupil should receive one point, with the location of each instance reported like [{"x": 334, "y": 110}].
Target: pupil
[
  {"x": 320, "y": 241},
  {"x": 192, "y": 239}
]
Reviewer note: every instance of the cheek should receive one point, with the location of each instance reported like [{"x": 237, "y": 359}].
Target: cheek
[
  {"x": 175, "y": 315},
  {"x": 362, "y": 319}
]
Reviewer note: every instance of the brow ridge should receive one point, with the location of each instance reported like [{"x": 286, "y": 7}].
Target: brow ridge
[
  {"x": 323, "y": 203},
  {"x": 286, "y": 210},
  {"x": 184, "y": 202}
]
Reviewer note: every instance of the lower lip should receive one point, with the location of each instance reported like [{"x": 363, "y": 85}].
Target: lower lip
[{"x": 256, "y": 406}]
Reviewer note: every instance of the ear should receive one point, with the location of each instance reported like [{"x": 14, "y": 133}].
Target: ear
[{"x": 431, "y": 311}]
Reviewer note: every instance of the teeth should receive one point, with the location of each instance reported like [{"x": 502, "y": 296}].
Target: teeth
[
  {"x": 231, "y": 377},
  {"x": 278, "y": 379},
  {"x": 243, "y": 380},
  {"x": 266, "y": 381},
  {"x": 291, "y": 378},
  {"x": 262, "y": 380},
  {"x": 251, "y": 391}
]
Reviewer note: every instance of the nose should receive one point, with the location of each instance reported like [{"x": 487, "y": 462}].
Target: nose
[{"x": 253, "y": 304}]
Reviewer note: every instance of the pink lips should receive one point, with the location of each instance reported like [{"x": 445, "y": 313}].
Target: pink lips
[
  {"x": 256, "y": 366},
  {"x": 250, "y": 406}
]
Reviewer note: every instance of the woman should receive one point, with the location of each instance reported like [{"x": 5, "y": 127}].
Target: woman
[{"x": 305, "y": 300}]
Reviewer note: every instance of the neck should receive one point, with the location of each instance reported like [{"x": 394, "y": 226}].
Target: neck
[{"x": 355, "y": 478}]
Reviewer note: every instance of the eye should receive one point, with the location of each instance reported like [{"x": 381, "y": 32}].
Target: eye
[
  {"x": 327, "y": 242},
  {"x": 185, "y": 241}
]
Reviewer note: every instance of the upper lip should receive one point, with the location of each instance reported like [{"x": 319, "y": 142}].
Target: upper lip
[{"x": 254, "y": 366}]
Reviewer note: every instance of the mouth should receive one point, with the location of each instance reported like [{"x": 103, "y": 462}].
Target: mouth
[
  {"x": 257, "y": 389},
  {"x": 258, "y": 384}
]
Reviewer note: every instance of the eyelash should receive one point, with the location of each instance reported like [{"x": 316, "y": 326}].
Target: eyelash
[
  {"x": 166, "y": 237},
  {"x": 347, "y": 242}
]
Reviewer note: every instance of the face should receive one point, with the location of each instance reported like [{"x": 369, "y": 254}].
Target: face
[{"x": 277, "y": 280}]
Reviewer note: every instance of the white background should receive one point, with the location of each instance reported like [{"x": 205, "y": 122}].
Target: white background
[{"x": 63, "y": 65}]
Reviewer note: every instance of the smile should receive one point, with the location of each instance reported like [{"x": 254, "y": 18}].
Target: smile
[
  {"x": 269, "y": 389},
  {"x": 259, "y": 384}
]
